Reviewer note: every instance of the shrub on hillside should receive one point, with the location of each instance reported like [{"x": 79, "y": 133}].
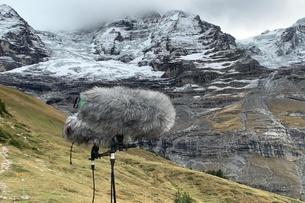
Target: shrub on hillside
[
  {"x": 183, "y": 197},
  {"x": 217, "y": 173}
]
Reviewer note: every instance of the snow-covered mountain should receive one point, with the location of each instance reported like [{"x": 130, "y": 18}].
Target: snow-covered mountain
[
  {"x": 233, "y": 113},
  {"x": 19, "y": 43},
  {"x": 277, "y": 48},
  {"x": 72, "y": 58},
  {"x": 148, "y": 46},
  {"x": 154, "y": 40}
]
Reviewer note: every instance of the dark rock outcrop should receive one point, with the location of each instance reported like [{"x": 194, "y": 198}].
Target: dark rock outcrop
[{"x": 19, "y": 43}]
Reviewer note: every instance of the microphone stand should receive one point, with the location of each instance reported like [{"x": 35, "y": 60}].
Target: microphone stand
[{"x": 116, "y": 144}]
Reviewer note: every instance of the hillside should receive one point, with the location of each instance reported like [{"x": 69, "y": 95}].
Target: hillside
[{"x": 35, "y": 166}]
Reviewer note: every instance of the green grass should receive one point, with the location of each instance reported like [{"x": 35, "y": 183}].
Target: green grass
[{"x": 40, "y": 166}]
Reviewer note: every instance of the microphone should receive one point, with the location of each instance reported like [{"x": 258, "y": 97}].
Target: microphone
[{"x": 132, "y": 113}]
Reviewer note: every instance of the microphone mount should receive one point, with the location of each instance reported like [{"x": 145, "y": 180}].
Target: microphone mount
[{"x": 116, "y": 144}]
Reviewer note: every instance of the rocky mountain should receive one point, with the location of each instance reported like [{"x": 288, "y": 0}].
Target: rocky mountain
[
  {"x": 19, "y": 43},
  {"x": 157, "y": 40},
  {"x": 281, "y": 47},
  {"x": 233, "y": 113}
]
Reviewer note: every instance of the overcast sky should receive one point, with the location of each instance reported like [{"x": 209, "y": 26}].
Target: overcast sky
[{"x": 241, "y": 18}]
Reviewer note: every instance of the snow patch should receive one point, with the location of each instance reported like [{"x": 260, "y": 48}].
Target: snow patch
[
  {"x": 72, "y": 58},
  {"x": 91, "y": 70},
  {"x": 278, "y": 48},
  {"x": 188, "y": 87}
]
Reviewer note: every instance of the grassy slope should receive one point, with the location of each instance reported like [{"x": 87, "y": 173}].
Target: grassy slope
[
  {"x": 40, "y": 166},
  {"x": 227, "y": 119},
  {"x": 287, "y": 110}
]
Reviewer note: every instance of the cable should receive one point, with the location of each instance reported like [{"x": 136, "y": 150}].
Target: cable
[
  {"x": 71, "y": 148},
  {"x": 76, "y": 102},
  {"x": 93, "y": 181}
]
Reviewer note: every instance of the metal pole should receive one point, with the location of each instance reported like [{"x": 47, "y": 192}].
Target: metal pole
[{"x": 113, "y": 193}]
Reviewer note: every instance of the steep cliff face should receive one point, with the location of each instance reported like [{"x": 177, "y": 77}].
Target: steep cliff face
[
  {"x": 19, "y": 43},
  {"x": 256, "y": 138},
  {"x": 233, "y": 113}
]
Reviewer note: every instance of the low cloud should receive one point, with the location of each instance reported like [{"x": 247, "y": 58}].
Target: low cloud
[{"x": 241, "y": 18}]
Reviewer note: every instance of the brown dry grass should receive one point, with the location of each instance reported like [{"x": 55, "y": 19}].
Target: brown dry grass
[
  {"x": 227, "y": 119},
  {"x": 283, "y": 108}
]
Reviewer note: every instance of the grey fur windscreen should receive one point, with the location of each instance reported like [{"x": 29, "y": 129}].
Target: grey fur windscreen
[{"x": 134, "y": 113}]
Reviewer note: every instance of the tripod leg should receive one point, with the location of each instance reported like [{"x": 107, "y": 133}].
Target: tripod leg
[
  {"x": 111, "y": 190},
  {"x": 113, "y": 194},
  {"x": 113, "y": 185}
]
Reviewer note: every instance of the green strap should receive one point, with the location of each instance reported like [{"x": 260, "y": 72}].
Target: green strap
[{"x": 81, "y": 102}]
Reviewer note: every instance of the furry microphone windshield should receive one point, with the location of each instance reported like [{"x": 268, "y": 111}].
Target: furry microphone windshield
[{"x": 106, "y": 112}]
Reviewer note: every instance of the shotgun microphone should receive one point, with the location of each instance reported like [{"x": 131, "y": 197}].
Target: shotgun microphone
[{"x": 132, "y": 113}]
